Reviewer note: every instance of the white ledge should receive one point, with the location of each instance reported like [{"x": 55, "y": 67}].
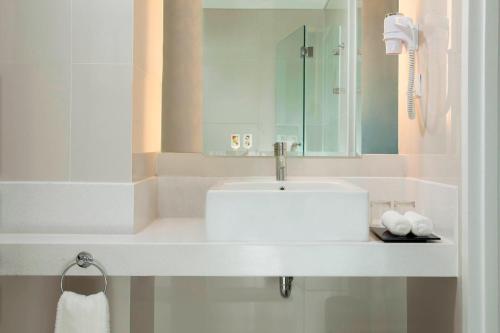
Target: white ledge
[{"x": 178, "y": 247}]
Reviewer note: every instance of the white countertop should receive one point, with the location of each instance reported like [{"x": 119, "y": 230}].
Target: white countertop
[{"x": 178, "y": 247}]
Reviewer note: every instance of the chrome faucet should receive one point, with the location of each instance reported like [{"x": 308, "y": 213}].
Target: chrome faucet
[
  {"x": 285, "y": 282},
  {"x": 280, "y": 155}
]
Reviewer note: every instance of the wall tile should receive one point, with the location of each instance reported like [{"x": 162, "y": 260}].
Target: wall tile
[
  {"x": 34, "y": 120},
  {"x": 102, "y": 31},
  {"x": 34, "y": 89},
  {"x": 101, "y": 148},
  {"x": 34, "y": 32},
  {"x": 183, "y": 196},
  {"x": 63, "y": 207},
  {"x": 192, "y": 164}
]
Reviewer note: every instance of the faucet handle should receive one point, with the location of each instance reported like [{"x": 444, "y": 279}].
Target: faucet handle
[{"x": 280, "y": 149}]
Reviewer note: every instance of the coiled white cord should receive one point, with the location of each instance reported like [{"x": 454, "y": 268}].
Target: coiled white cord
[{"x": 411, "y": 85}]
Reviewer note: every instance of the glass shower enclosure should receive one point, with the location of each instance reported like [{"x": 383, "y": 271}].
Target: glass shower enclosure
[
  {"x": 317, "y": 83},
  {"x": 290, "y": 85}
]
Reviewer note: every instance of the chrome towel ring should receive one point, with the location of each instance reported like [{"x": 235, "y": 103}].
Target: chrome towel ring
[{"x": 85, "y": 260}]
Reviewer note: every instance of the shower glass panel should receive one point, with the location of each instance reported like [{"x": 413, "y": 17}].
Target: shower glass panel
[
  {"x": 326, "y": 112},
  {"x": 315, "y": 112},
  {"x": 290, "y": 91}
]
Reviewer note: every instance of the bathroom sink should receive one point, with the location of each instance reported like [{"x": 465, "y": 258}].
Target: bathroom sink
[{"x": 287, "y": 211}]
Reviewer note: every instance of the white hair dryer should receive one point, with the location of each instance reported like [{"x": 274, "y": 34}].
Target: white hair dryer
[{"x": 399, "y": 30}]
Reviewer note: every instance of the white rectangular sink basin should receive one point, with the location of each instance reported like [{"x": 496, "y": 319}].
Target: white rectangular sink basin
[{"x": 287, "y": 211}]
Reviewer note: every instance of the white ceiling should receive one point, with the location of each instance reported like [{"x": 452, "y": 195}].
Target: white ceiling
[{"x": 265, "y": 4}]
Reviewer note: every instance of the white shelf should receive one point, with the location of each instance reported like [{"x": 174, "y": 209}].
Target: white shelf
[{"x": 178, "y": 247}]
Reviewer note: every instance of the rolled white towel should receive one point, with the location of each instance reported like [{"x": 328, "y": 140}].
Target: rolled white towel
[
  {"x": 396, "y": 223},
  {"x": 420, "y": 225}
]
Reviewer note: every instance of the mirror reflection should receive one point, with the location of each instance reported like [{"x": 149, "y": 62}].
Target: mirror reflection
[{"x": 311, "y": 73}]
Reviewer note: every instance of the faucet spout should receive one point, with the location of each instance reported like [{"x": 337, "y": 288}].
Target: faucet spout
[{"x": 280, "y": 155}]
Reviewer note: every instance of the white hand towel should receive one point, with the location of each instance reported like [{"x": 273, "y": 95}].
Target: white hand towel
[
  {"x": 82, "y": 314},
  {"x": 420, "y": 225},
  {"x": 396, "y": 223}
]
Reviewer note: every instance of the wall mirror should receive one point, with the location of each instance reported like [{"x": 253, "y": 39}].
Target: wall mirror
[{"x": 313, "y": 73}]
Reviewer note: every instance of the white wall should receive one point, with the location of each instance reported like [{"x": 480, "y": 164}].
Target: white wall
[
  {"x": 432, "y": 141},
  {"x": 65, "y": 106},
  {"x": 253, "y": 304},
  {"x": 67, "y": 69},
  {"x": 35, "y": 82},
  {"x": 80, "y": 88}
]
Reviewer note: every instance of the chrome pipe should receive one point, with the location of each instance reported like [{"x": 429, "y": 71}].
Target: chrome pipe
[{"x": 285, "y": 286}]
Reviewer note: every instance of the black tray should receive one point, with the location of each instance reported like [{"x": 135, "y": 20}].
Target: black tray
[{"x": 387, "y": 237}]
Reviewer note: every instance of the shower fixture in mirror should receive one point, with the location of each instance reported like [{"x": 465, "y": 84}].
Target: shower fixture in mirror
[{"x": 312, "y": 73}]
